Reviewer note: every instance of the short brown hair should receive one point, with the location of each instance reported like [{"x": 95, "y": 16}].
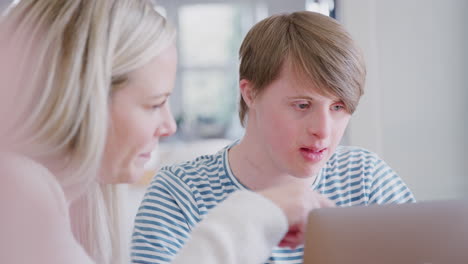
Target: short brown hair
[{"x": 317, "y": 46}]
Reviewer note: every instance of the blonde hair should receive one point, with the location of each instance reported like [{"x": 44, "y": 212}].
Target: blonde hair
[
  {"x": 81, "y": 51},
  {"x": 317, "y": 47}
]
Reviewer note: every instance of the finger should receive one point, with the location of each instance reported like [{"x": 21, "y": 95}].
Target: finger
[
  {"x": 292, "y": 240},
  {"x": 295, "y": 228},
  {"x": 294, "y": 237},
  {"x": 288, "y": 245}
]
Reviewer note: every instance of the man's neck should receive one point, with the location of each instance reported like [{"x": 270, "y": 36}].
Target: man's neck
[{"x": 252, "y": 166}]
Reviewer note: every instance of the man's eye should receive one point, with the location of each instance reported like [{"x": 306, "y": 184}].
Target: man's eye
[
  {"x": 338, "y": 107},
  {"x": 302, "y": 105}
]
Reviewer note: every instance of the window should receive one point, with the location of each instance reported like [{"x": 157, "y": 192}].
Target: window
[
  {"x": 326, "y": 7},
  {"x": 205, "y": 98},
  {"x": 209, "y": 36}
]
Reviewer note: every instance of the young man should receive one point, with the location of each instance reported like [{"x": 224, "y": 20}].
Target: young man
[{"x": 301, "y": 78}]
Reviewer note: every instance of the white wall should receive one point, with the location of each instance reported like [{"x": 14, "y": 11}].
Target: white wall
[{"x": 414, "y": 113}]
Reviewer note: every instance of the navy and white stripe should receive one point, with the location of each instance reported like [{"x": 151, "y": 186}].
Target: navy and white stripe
[{"x": 181, "y": 195}]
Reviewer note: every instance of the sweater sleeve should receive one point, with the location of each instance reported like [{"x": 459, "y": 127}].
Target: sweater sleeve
[
  {"x": 35, "y": 225},
  {"x": 242, "y": 229}
]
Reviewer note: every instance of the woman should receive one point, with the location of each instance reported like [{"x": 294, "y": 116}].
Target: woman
[
  {"x": 88, "y": 50},
  {"x": 93, "y": 79}
]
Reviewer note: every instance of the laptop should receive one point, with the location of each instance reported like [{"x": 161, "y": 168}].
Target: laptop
[{"x": 433, "y": 232}]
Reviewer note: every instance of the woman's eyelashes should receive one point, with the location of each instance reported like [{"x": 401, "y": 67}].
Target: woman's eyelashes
[{"x": 157, "y": 106}]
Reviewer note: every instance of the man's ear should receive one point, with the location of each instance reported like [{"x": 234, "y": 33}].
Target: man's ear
[{"x": 247, "y": 92}]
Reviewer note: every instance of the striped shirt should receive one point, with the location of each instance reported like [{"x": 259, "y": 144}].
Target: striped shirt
[{"x": 181, "y": 195}]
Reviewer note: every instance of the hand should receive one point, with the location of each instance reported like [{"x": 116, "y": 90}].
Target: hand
[{"x": 296, "y": 200}]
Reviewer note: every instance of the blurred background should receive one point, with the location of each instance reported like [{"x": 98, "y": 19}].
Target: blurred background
[{"x": 413, "y": 114}]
